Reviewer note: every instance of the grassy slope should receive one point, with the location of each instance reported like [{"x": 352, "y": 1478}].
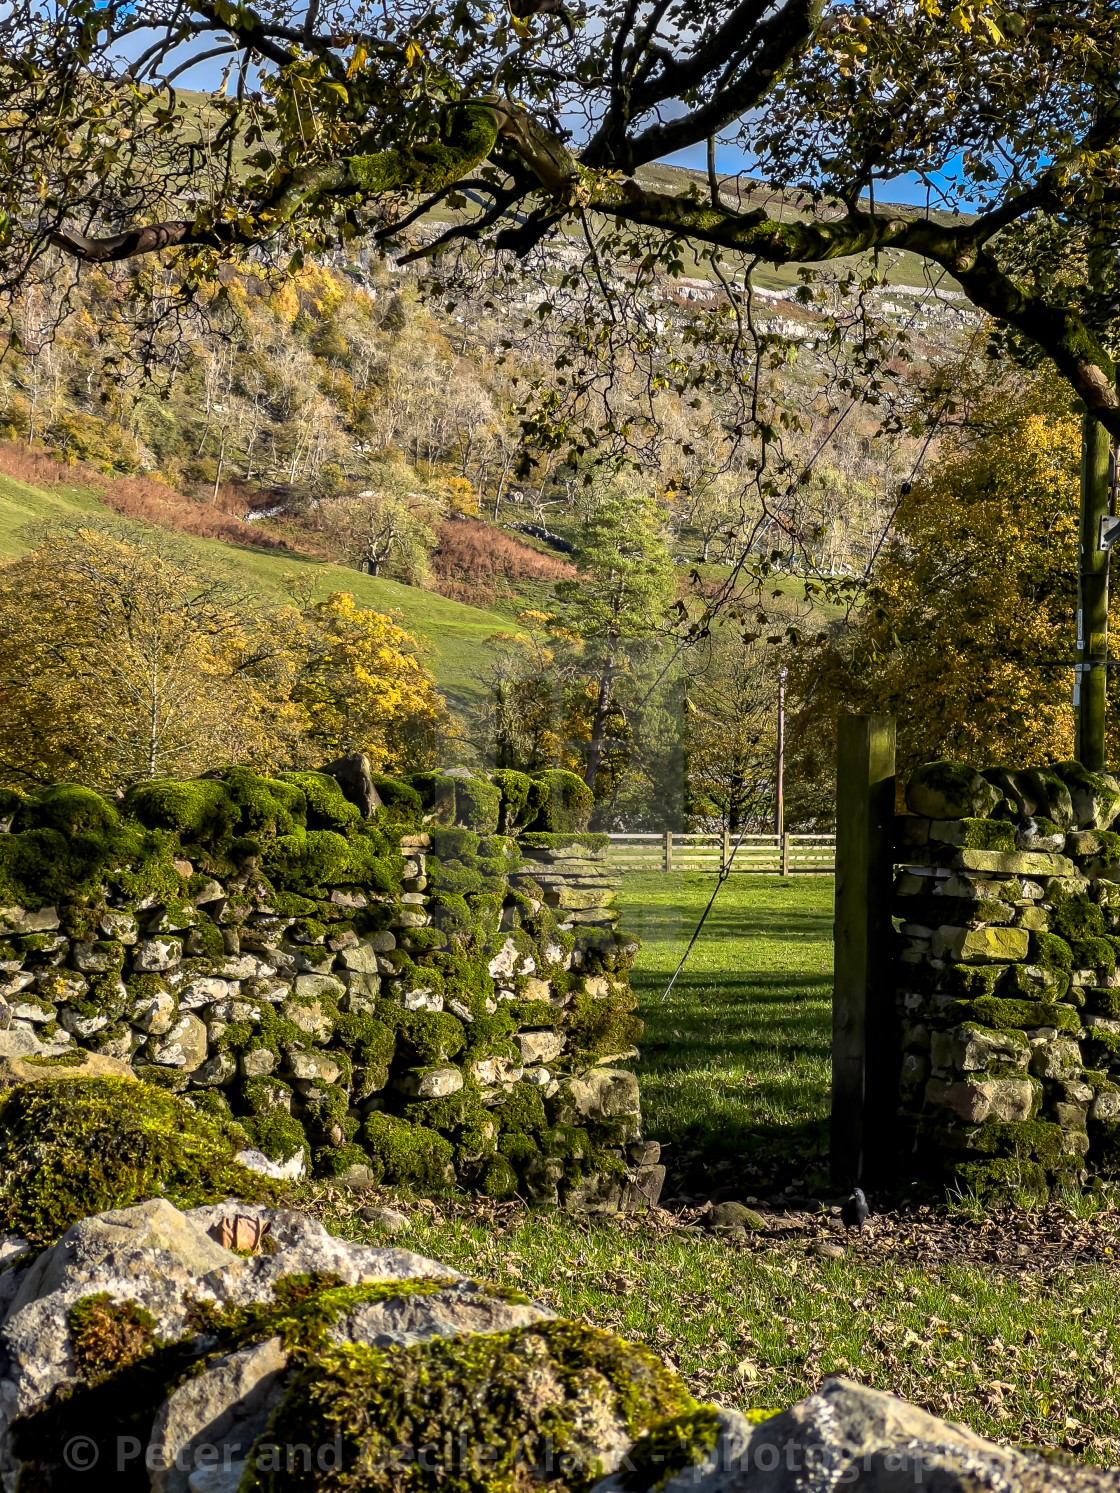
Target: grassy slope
[
  {"x": 736, "y": 1064},
  {"x": 457, "y": 634}
]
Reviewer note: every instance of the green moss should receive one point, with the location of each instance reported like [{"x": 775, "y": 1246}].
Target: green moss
[
  {"x": 1093, "y": 953},
  {"x": 367, "y": 1038},
  {"x": 515, "y": 789},
  {"x": 542, "y": 840},
  {"x": 431, "y": 1036},
  {"x": 1003, "y": 1181},
  {"x": 400, "y": 1152},
  {"x": 449, "y": 1113},
  {"x": 451, "y": 914},
  {"x": 521, "y": 1112},
  {"x": 401, "y": 808},
  {"x": 1038, "y": 1140},
  {"x": 1103, "y": 1001},
  {"x": 200, "y": 810},
  {"x": 477, "y": 804},
  {"x": 107, "y": 1335},
  {"x": 452, "y": 876},
  {"x": 205, "y": 942},
  {"x": 470, "y": 1392},
  {"x": 987, "y": 834},
  {"x": 1050, "y": 952},
  {"x": 672, "y": 1447},
  {"x": 971, "y": 982},
  {"x": 72, "y": 1059},
  {"x": 263, "y": 1095},
  {"x": 602, "y": 1026},
  {"x": 327, "y": 807},
  {"x": 277, "y": 1134},
  {"x": 561, "y": 801},
  {"x": 1077, "y": 917},
  {"x": 323, "y": 857},
  {"x": 453, "y": 843},
  {"x": 467, "y": 136},
  {"x": 536, "y": 1014},
  {"x": 1022, "y": 1015},
  {"x": 335, "y": 1161},
  {"x": 498, "y": 1179},
  {"x": 84, "y": 1145}
]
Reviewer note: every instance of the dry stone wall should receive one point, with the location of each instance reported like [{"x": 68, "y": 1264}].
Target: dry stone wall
[
  {"x": 413, "y": 982},
  {"x": 1007, "y": 902}
]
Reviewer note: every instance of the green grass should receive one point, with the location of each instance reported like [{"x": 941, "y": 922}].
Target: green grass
[
  {"x": 735, "y": 1063},
  {"x": 456, "y": 634}
]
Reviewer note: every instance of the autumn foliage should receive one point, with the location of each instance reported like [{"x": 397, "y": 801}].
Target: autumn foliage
[
  {"x": 967, "y": 633},
  {"x": 475, "y": 562}
]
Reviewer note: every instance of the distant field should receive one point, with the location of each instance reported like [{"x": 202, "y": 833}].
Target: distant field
[{"x": 456, "y": 634}]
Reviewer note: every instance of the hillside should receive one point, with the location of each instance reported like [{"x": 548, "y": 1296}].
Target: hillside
[{"x": 455, "y": 634}]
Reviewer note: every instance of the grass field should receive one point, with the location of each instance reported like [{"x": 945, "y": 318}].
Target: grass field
[
  {"x": 1011, "y": 1326},
  {"x": 456, "y": 634},
  {"x": 735, "y": 1063}
]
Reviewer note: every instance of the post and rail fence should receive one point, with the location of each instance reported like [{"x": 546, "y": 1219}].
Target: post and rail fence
[{"x": 672, "y": 850}]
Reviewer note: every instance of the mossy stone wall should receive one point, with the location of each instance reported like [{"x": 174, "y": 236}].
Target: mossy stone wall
[
  {"x": 1008, "y": 918},
  {"x": 433, "y": 995}
]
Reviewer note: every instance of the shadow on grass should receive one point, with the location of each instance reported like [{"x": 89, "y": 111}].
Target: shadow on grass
[{"x": 735, "y": 1064}]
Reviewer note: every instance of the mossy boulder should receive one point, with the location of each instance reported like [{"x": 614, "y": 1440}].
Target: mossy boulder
[
  {"x": 400, "y": 1152},
  {"x": 85, "y": 1145},
  {"x": 562, "y": 803},
  {"x": 1094, "y": 796},
  {"x": 548, "y": 1402},
  {"x": 1002, "y": 1181},
  {"x": 950, "y": 790}
]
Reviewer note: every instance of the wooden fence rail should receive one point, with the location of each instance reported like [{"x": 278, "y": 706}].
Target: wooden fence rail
[{"x": 670, "y": 850}]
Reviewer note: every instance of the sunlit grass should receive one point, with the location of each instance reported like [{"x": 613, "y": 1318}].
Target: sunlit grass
[{"x": 735, "y": 1066}]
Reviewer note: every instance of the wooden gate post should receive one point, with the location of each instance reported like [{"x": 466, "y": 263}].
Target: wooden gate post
[{"x": 865, "y": 1056}]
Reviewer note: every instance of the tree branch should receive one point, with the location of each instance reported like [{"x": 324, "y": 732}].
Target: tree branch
[{"x": 1059, "y": 330}]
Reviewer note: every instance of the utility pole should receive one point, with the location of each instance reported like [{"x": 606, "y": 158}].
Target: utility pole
[
  {"x": 1090, "y": 689},
  {"x": 1091, "y": 678},
  {"x": 779, "y": 804}
]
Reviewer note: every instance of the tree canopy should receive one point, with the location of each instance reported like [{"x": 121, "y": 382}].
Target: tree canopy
[{"x": 339, "y": 119}]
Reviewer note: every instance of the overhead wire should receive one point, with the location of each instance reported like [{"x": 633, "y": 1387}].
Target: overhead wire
[{"x": 725, "y": 870}]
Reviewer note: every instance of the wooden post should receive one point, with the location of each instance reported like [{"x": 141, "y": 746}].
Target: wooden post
[
  {"x": 780, "y": 761},
  {"x": 725, "y": 859},
  {"x": 865, "y": 1055},
  {"x": 668, "y": 850},
  {"x": 1090, "y": 681},
  {"x": 785, "y": 854}
]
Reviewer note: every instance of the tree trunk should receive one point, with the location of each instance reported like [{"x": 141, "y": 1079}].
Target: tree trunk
[{"x": 599, "y": 722}]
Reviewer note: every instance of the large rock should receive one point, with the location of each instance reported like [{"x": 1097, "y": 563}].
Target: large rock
[
  {"x": 156, "y": 1270},
  {"x": 848, "y": 1436},
  {"x": 165, "y": 1356},
  {"x": 950, "y": 790}
]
